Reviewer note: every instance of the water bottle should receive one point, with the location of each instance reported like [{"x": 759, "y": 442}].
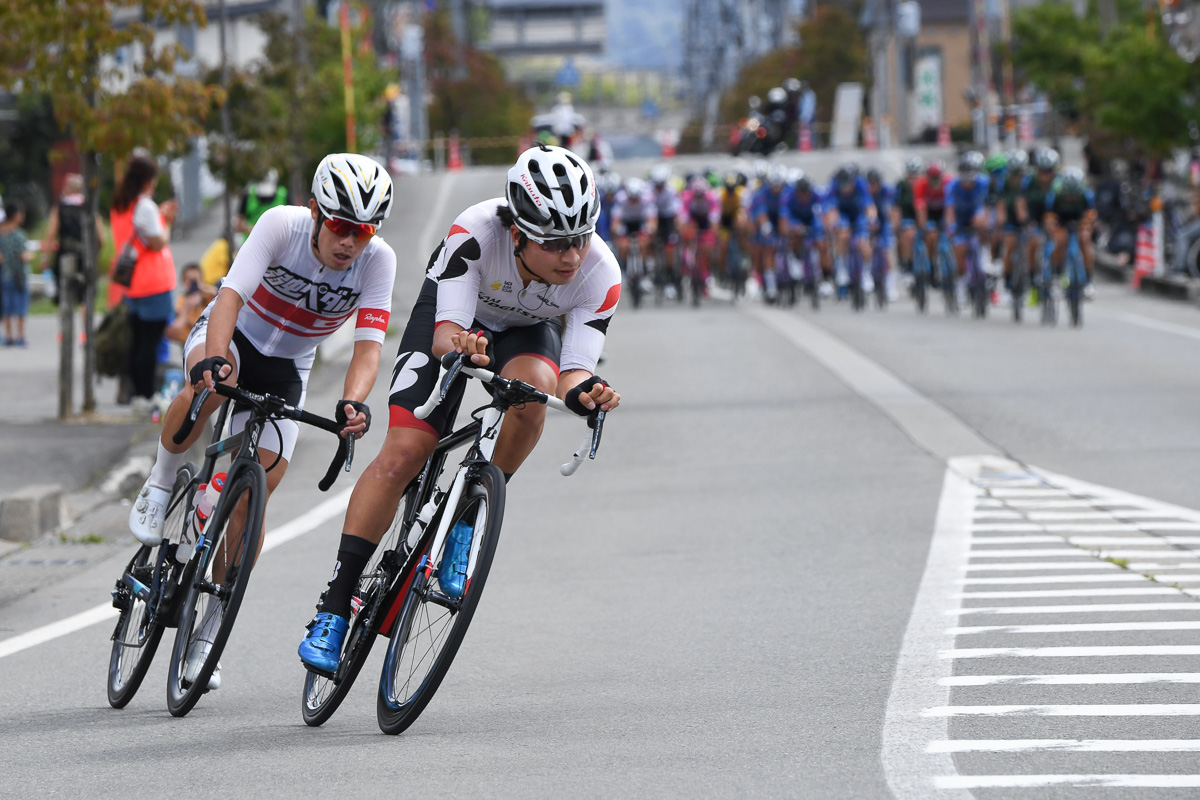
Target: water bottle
[
  {"x": 421, "y": 523},
  {"x": 193, "y": 527},
  {"x": 452, "y": 574}
]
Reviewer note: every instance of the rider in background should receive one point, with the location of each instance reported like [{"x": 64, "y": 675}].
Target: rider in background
[
  {"x": 632, "y": 215},
  {"x": 904, "y": 212},
  {"x": 667, "y": 205},
  {"x": 1012, "y": 212},
  {"x": 966, "y": 204},
  {"x": 733, "y": 201},
  {"x": 1070, "y": 201},
  {"x": 803, "y": 203},
  {"x": 997, "y": 170},
  {"x": 882, "y": 198},
  {"x": 1035, "y": 190},
  {"x": 609, "y": 185},
  {"x": 770, "y": 226},
  {"x": 850, "y": 212},
  {"x": 700, "y": 215}
]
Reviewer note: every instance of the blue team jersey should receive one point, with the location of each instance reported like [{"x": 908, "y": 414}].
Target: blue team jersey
[
  {"x": 766, "y": 201},
  {"x": 967, "y": 201},
  {"x": 883, "y": 198},
  {"x": 804, "y": 211},
  {"x": 853, "y": 204}
]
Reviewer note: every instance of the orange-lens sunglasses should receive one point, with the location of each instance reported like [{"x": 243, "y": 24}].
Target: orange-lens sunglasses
[{"x": 344, "y": 227}]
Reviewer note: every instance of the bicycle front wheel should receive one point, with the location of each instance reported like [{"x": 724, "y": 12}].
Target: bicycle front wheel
[
  {"x": 138, "y": 632},
  {"x": 219, "y": 581},
  {"x": 376, "y": 591},
  {"x": 430, "y": 627}
]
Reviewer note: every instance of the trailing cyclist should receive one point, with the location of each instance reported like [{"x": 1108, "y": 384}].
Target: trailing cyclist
[
  {"x": 767, "y": 214},
  {"x": 518, "y": 282},
  {"x": 1037, "y": 186},
  {"x": 701, "y": 211},
  {"x": 904, "y": 213},
  {"x": 882, "y": 198},
  {"x": 966, "y": 206},
  {"x": 666, "y": 241},
  {"x": 632, "y": 215},
  {"x": 803, "y": 204},
  {"x": 851, "y": 215},
  {"x": 301, "y": 274},
  {"x": 1012, "y": 210},
  {"x": 930, "y": 195},
  {"x": 1071, "y": 203},
  {"x": 733, "y": 200}
]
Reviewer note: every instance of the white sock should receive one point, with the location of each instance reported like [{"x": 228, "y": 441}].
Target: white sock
[{"x": 165, "y": 467}]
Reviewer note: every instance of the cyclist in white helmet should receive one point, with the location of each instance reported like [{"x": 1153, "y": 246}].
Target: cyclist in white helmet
[
  {"x": 519, "y": 283},
  {"x": 301, "y": 274}
]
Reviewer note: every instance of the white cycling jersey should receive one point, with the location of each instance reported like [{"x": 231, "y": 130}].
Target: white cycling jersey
[
  {"x": 477, "y": 278},
  {"x": 293, "y": 301}
]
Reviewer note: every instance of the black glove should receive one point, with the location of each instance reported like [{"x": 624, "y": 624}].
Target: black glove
[
  {"x": 572, "y": 396},
  {"x": 212, "y": 365},
  {"x": 340, "y": 414}
]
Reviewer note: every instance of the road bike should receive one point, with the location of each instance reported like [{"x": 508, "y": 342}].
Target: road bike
[
  {"x": 978, "y": 292},
  {"x": 854, "y": 271},
  {"x": 400, "y": 594},
  {"x": 635, "y": 271},
  {"x": 1018, "y": 278},
  {"x": 922, "y": 274},
  {"x": 810, "y": 271},
  {"x": 735, "y": 267},
  {"x": 1076, "y": 275},
  {"x": 947, "y": 272},
  {"x": 694, "y": 264},
  {"x": 196, "y": 585},
  {"x": 879, "y": 269},
  {"x": 1048, "y": 288}
]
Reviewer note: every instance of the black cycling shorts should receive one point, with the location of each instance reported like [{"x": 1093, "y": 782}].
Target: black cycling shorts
[{"x": 416, "y": 370}]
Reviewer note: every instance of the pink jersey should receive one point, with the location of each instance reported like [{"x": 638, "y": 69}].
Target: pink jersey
[
  {"x": 293, "y": 301},
  {"x": 699, "y": 207}
]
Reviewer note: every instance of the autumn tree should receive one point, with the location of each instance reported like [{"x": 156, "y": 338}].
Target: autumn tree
[{"x": 67, "y": 50}]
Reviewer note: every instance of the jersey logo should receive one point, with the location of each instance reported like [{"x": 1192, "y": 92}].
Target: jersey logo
[
  {"x": 456, "y": 264},
  {"x": 320, "y": 298},
  {"x": 610, "y": 299}
]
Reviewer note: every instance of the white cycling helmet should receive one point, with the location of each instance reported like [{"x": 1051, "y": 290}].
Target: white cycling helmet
[
  {"x": 552, "y": 193},
  {"x": 660, "y": 174},
  {"x": 353, "y": 187}
]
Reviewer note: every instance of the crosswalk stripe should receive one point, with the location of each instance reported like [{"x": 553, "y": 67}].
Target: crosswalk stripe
[{"x": 1072, "y": 679}]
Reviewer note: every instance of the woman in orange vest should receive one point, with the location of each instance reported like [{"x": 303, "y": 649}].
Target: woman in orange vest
[{"x": 135, "y": 216}]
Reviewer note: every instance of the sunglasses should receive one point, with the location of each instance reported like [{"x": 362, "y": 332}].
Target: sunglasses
[
  {"x": 564, "y": 243},
  {"x": 344, "y": 227}
]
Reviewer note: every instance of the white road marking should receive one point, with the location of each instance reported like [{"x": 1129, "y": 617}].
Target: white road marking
[
  {"x": 1100, "y": 552},
  {"x": 1028, "y": 567},
  {"x": 1080, "y": 627},
  {"x": 1028, "y": 593},
  {"x": 1074, "y": 679},
  {"x": 1159, "y": 325},
  {"x": 1066, "y": 746},
  {"x": 1026, "y": 538},
  {"x": 1068, "y": 710},
  {"x": 1112, "y": 651},
  {"x": 301, "y": 525},
  {"x": 1106, "y": 608},
  {"x": 1033, "y": 781},
  {"x": 1122, "y": 576}
]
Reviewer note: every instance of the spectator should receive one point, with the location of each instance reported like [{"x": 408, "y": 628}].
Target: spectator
[
  {"x": 136, "y": 217},
  {"x": 64, "y": 236},
  {"x": 214, "y": 264},
  {"x": 14, "y": 275},
  {"x": 260, "y": 196},
  {"x": 194, "y": 297}
]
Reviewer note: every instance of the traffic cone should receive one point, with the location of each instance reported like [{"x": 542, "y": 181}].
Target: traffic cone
[
  {"x": 944, "y": 135},
  {"x": 805, "y": 139},
  {"x": 524, "y": 143},
  {"x": 870, "y": 140},
  {"x": 454, "y": 158},
  {"x": 1143, "y": 263}
]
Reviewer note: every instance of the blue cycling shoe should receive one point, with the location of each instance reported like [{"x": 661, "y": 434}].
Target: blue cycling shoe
[
  {"x": 452, "y": 573},
  {"x": 322, "y": 647}
]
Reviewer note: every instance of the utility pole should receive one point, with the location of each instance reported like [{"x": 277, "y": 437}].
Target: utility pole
[
  {"x": 298, "y": 187},
  {"x": 226, "y": 134}
]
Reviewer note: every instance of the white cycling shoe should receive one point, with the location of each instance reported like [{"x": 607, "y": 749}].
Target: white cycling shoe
[
  {"x": 149, "y": 513},
  {"x": 196, "y": 656}
]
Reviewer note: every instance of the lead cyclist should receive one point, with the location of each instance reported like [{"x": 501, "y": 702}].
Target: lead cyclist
[
  {"x": 301, "y": 274},
  {"x": 518, "y": 281}
]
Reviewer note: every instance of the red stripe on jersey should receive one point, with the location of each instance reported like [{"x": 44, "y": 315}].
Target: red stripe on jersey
[
  {"x": 610, "y": 299},
  {"x": 373, "y": 318},
  {"x": 276, "y": 310},
  {"x": 456, "y": 229}
]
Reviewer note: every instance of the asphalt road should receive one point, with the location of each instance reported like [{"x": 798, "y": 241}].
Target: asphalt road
[{"x": 747, "y": 594}]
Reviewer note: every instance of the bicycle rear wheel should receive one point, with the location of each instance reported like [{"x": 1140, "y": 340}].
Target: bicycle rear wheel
[
  {"x": 376, "y": 589},
  {"x": 138, "y": 633},
  {"x": 210, "y": 606},
  {"x": 429, "y": 629}
]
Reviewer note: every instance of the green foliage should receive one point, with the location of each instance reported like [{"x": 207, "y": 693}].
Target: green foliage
[
  {"x": 64, "y": 50},
  {"x": 832, "y": 50},
  {"x": 471, "y": 95},
  {"x": 279, "y": 99},
  {"x": 1127, "y": 87}
]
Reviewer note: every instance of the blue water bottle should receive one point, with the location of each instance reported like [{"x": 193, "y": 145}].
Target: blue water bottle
[{"x": 452, "y": 573}]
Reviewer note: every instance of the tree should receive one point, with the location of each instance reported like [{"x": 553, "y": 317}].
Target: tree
[
  {"x": 471, "y": 94},
  {"x": 832, "y": 50},
  {"x": 66, "y": 50}
]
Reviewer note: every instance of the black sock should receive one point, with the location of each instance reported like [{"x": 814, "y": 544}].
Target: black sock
[{"x": 352, "y": 557}]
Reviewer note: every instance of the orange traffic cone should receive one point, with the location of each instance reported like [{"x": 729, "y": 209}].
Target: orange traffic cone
[
  {"x": 944, "y": 135},
  {"x": 806, "y": 145},
  {"x": 454, "y": 157},
  {"x": 1143, "y": 263},
  {"x": 869, "y": 139}
]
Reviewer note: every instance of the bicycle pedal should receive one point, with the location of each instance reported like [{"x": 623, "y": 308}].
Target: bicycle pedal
[{"x": 320, "y": 672}]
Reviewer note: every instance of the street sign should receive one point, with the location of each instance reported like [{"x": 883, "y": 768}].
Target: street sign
[
  {"x": 927, "y": 98},
  {"x": 567, "y": 75}
]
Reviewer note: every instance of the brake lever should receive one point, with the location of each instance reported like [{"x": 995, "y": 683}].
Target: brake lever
[{"x": 596, "y": 433}]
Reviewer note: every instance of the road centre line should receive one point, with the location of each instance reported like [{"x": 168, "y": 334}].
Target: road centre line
[
  {"x": 1107, "y": 608},
  {"x": 1109, "y": 651},
  {"x": 1158, "y": 325},
  {"x": 1070, "y": 710},
  {"x": 1078, "y": 627},
  {"x": 1138, "y": 781},
  {"x": 1073, "y": 679},
  {"x": 299, "y": 526}
]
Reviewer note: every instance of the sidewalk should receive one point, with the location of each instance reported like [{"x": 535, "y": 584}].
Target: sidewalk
[
  {"x": 78, "y": 455},
  {"x": 1171, "y": 285}
]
